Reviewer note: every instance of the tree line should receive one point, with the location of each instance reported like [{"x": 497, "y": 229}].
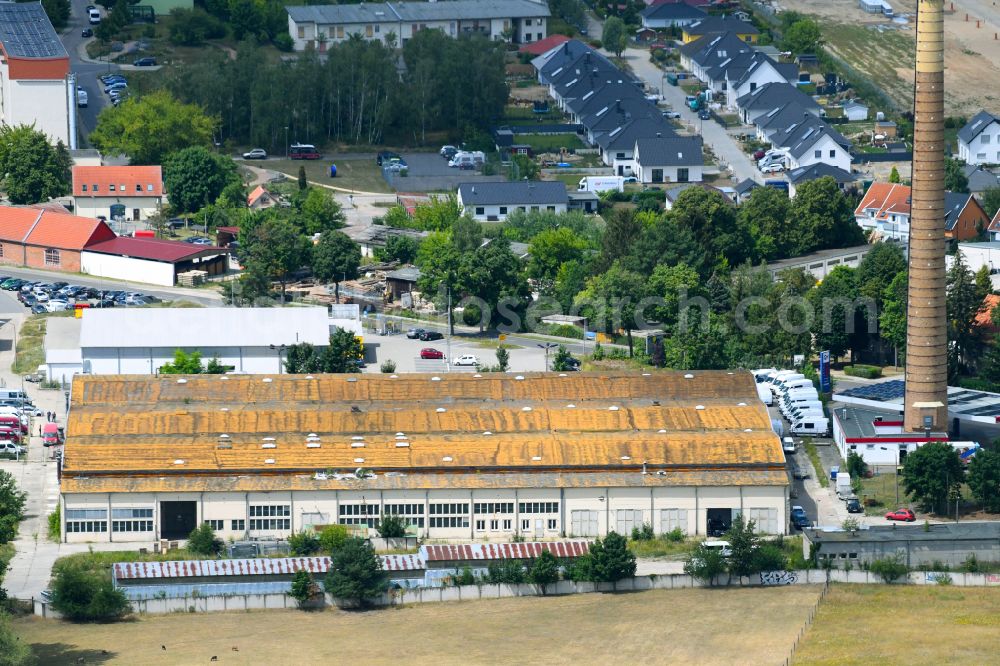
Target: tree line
[{"x": 353, "y": 94}]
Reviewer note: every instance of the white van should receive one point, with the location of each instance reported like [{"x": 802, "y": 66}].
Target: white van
[
  {"x": 764, "y": 394},
  {"x": 790, "y": 401},
  {"x": 819, "y": 427},
  {"x": 796, "y": 384},
  {"x": 778, "y": 383},
  {"x": 13, "y": 394},
  {"x": 722, "y": 547},
  {"x": 95, "y": 16},
  {"x": 800, "y": 412},
  {"x": 763, "y": 374}
]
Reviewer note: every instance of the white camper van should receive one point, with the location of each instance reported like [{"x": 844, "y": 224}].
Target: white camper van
[{"x": 814, "y": 426}]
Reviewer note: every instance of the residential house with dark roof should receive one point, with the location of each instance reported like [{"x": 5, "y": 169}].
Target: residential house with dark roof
[
  {"x": 607, "y": 86},
  {"x": 813, "y": 141},
  {"x": 796, "y": 177},
  {"x": 716, "y": 24},
  {"x": 552, "y": 61},
  {"x": 618, "y": 145},
  {"x": 781, "y": 118},
  {"x": 493, "y": 202},
  {"x": 756, "y": 70},
  {"x": 964, "y": 217},
  {"x": 315, "y": 26},
  {"x": 34, "y": 89},
  {"x": 979, "y": 140},
  {"x": 670, "y": 15},
  {"x": 674, "y": 159},
  {"x": 129, "y": 192},
  {"x": 705, "y": 55},
  {"x": 743, "y": 189},
  {"x": 614, "y": 115},
  {"x": 980, "y": 179},
  {"x": 771, "y": 96}
]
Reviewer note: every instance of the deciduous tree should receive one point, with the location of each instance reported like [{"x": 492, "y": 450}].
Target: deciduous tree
[
  {"x": 984, "y": 479},
  {"x": 611, "y": 559},
  {"x": 544, "y": 570},
  {"x": 931, "y": 474},
  {"x": 274, "y": 248},
  {"x": 615, "y": 35},
  {"x": 335, "y": 258},
  {"x": 32, "y": 169},
  {"x": 196, "y": 177},
  {"x": 320, "y": 212},
  {"x": 150, "y": 127},
  {"x": 183, "y": 364}
]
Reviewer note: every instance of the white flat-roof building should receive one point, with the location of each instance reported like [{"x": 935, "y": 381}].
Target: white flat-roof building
[
  {"x": 316, "y": 26},
  {"x": 35, "y": 83},
  {"x": 138, "y": 341}
]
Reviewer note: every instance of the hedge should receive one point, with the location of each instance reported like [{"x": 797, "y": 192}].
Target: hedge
[{"x": 864, "y": 371}]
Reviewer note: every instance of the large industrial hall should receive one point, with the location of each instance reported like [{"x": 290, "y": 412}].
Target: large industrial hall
[{"x": 459, "y": 456}]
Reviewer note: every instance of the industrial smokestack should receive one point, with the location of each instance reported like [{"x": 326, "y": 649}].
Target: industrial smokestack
[{"x": 926, "y": 401}]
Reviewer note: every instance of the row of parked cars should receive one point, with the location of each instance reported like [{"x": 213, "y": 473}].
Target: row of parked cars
[
  {"x": 41, "y": 297},
  {"x": 115, "y": 87},
  {"x": 797, "y": 399}
]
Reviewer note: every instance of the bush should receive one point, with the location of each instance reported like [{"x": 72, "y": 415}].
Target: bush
[
  {"x": 332, "y": 537},
  {"x": 544, "y": 570},
  {"x": 283, "y": 42},
  {"x": 304, "y": 588},
  {"x": 304, "y": 543},
  {"x": 971, "y": 564},
  {"x": 675, "y": 535},
  {"x": 863, "y": 371},
  {"x": 769, "y": 557},
  {"x": 705, "y": 564},
  {"x": 84, "y": 594},
  {"x": 55, "y": 525},
  {"x": 581, "y": 570},
  {"x": 507, "y": 572},
  {"x": 391, "y": 527},
  {"x": 388, "y": 367},
  {"x": 595, "y": 43},
  {"x": 889, "y": 569},
  {"x": 203, "y": 541},
  {"x": 466, "y": 577},
  {"x": 644, "y": 533},
  {"x": 13, "y": 652},
  {"x": 611, "y": 559},
  {"x": 565, "y": 331},
  {"x": 943, "y": 579}
]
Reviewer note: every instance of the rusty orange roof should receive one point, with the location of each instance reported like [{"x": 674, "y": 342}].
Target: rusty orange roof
[
  {"x": 984, "y": 318},
  {"x": 885, "y": 198},
  {"x": 257, "y": 193},
  {"x": 67, "y": 232},
  {"x": 117, "y": 181},
  {"x": 419, "y": 425},
  {"x": 15, "y": 223}
]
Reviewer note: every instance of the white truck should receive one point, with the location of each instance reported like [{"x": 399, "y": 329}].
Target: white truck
[
  {"x": 601, "y": 184},
  {"x": 844, "y": 485}
]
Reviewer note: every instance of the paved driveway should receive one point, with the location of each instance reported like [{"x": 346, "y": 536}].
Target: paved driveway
[
  {"x": 429, "y": 172},
  {"x": 726, "y": 148}
]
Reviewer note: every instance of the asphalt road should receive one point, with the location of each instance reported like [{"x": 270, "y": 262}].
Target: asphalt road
[{"x": 86, "y": 72}]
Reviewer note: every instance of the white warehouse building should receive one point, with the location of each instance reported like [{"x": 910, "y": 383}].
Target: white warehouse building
[
  {"x": 138, "y": 341},
  {"x": 493, "y": 456}
]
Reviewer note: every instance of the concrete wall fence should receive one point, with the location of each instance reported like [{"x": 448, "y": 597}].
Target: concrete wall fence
[{"x": 246, "y": 602}]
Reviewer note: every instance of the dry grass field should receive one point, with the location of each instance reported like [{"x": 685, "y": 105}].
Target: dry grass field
[
  {"x": 752, "y": 626},
  {"x": 877, "y": 624}
]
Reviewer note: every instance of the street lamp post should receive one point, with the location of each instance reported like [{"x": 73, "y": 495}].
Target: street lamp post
[
  {"x": 281, "y": 350},
  {"x": 286, "y": 142},
  {"x": 547, "y": 346}
]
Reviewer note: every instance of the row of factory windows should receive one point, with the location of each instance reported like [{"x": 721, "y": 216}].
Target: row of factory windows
[{"x": 582, "y": 522}]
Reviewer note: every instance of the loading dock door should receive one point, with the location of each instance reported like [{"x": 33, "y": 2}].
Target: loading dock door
[
  {"x": 718, "y": 521},
  {"x": 177, "y": 519}
]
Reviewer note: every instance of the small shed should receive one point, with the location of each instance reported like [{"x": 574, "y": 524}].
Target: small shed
[
  {"x": 402, "y": 281},
  {"x": 855, "y": 110},
  {"x": 886, "y": 128}
]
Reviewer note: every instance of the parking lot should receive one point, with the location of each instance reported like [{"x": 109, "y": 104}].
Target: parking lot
[
  {"x": 406, "y": 354},
  {"x": 429, "y": 172}
]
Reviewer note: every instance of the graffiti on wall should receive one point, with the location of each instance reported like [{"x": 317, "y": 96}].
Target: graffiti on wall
[{"x": 778, "y": 577}]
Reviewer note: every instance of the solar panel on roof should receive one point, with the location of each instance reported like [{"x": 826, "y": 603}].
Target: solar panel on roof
[{"x": 25, "y": 31}]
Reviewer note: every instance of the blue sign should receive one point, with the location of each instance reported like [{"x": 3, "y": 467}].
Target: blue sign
[{"x": 824, "y": 372}]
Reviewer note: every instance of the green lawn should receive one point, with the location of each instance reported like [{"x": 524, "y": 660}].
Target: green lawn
[
  {"x": 549, "y": 143},
  {"x": 362, "y": 175}
]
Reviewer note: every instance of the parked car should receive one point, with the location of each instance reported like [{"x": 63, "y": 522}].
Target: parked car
[
  {"x": 466, "y": 359},
  {"x": 87, "y": 32},
  {"x": 255, "y": 154},
  {"x": 38, "y": 308},
  {"x": 759, "y": 154},
  {"x": 148, "y": 61},
  {"x": 430, "y": 352},
  {"x": 799, "y": 518},
  {"x": 572, "y": 363},
  {"x": 447, "y": 149},
  {"x": 12, "y": 449},
  {"x": 901, "y": 514},
  {"x": 704, "y": 115},
  {"x": 671, "y": 114},
  {"x": 427, "y": 336},
  {"x": 34, "y": 378},
  {"x": 386, "y": 156},
  {"x": 396, "y": 166},
  {"x": 414, "y": 333},
  {"x": 56, "y": 305},
  {"x": 772, "y": 168},
  {"x": 854, "y": 506},
  {"x": 10, "y": 284}
]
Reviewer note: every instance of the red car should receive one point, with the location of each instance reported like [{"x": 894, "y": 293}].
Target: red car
[
  {"x": 901, "y": 514},
  {"x": 430, "y": 352}
]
